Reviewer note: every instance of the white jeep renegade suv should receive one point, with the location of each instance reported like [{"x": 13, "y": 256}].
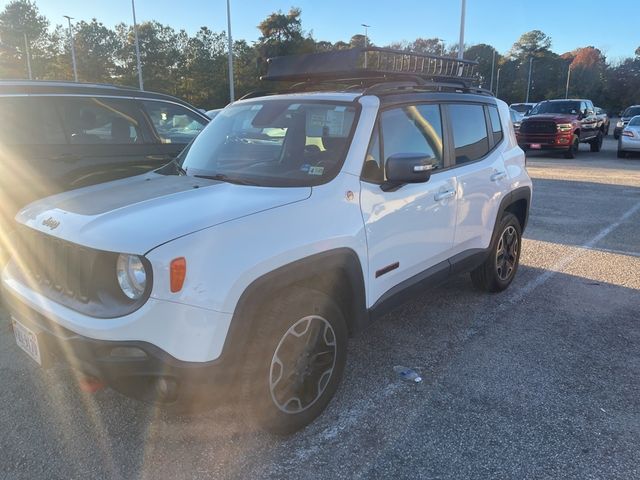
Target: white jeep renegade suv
[{"x": 292, "y": 221}]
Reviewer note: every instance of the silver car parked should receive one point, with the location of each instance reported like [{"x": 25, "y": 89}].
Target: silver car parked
[{"x": 629, "y": 140}]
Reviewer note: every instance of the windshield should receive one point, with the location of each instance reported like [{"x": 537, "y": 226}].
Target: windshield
[
  {"x": 568, "y": 108},
  {"x": 515, "y": 115},
  {"x": 521, "y": 107},
  {"x": 635, "y": 121},
  {"x": 631, "y": 112},
  {"x": 273, "y": 143}
]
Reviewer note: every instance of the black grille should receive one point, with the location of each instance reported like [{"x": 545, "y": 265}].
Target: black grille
[
  {"x": 535, "y": 126},
  {"x": 54, "y": 264}
]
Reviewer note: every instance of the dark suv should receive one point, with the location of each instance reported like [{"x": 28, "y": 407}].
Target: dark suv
[
  {"x": 58, "y": 136},
  {"x": 561, "y": 125}
]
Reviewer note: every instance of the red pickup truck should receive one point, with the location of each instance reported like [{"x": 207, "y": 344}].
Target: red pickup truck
[{"x": 561, "y": 125}]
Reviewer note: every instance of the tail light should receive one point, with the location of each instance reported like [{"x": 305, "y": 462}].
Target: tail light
[{"x": 178, "y": 273}]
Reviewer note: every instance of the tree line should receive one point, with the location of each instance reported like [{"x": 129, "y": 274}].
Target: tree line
[{"x": 194, "y": 67}]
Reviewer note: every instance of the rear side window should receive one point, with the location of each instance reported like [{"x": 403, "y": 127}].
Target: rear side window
[
  {"x": 496, "y": 125},
  {"x": 96, "y": 121},
  {"x": 30, "y": 121},
  {"x": 469, "y": 132},
  {"x": 173, "y": 123}
]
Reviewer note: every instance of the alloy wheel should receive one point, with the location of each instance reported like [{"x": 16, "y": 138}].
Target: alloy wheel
[
  {"x": 507, "y": 254},
  {"x": 302, "y": 364}
]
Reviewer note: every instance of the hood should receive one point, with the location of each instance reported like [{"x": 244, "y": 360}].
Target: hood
[
  {"x": 554, "y": 117},
  {"x": 137, "y": 214}
]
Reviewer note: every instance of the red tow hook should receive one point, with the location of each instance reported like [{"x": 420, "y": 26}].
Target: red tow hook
[{"x": 90, "y": 384}]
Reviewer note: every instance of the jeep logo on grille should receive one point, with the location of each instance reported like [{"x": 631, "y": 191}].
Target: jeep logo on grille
[{"x": 51, "y": 222}]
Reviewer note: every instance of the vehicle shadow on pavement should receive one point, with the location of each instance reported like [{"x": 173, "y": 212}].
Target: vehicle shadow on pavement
[{"x": 513, "y": 382}]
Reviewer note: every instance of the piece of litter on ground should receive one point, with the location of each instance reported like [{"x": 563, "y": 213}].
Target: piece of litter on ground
[{"x": 407, "y": 374}]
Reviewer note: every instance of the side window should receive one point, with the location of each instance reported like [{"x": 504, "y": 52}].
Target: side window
[
  {"x": 413, "y": 129},
  {"x": 99, "y": 121},
  {"x": 469, "y": 132},
  {"x": 30, "y": 121},
  {"x": 173, "y": 123},
  {"x": 496, "y": 125}
]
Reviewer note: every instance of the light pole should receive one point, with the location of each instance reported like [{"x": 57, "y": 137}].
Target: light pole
[
  {"x": 441, "y": 47},
  {"x": 366, "y": 41},
  {"x": 135, "y": 34},
  {"x": 566, "y": 91},
  {"x": 232, "y": 94},
  {"x": 493, "y": 66},
  {"x": 26, "y": 51},
  {"x": 461, "y": 45},
  {"x": 73, "y": 48},
  {"x": 529, "y": 81},
  {"x": 498, "y": 82}
]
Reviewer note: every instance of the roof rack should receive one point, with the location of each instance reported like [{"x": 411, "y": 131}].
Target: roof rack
[{"x": 371, "y": 63}]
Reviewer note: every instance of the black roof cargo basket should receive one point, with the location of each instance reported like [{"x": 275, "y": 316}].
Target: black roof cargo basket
[{"x": 372, "y": 63}]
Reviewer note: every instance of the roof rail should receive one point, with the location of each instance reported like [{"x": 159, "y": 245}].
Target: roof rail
[{"x": 371, "y": 62}]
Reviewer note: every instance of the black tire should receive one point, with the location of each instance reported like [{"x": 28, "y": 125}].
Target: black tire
[
  {"x": 616, "y": 136},
  {"x": 281, "y": 332},
  {"x": 596, "y": 143},
  {"x": 491, "y": 275},
  {"x": 573, "y": 149}
]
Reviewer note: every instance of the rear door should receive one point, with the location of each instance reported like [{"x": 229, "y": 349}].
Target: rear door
[
  {"x": 173, "y": 127},
  {"x": 478, "y": 138},
  {"x": 108, "y": 139}
]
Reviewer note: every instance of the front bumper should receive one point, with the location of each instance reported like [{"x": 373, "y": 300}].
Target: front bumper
[
  {"x": 137, "y": 369},
  {"x": 546, "y": 141}
]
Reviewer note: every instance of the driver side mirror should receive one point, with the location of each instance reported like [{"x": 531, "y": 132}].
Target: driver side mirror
[{"x": 402, "y": 168}]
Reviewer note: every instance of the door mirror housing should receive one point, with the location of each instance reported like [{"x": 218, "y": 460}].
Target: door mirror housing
[{"x": 402, "y": 168}]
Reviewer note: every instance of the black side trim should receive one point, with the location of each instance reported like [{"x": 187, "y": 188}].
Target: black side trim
[
  {"x": 522, "y": 193},
  {"x": 387, "y": 269},
  {"x": 409, "y": 288}
]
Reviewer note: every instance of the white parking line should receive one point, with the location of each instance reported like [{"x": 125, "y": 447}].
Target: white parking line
[{"x": 543, "y": 278}]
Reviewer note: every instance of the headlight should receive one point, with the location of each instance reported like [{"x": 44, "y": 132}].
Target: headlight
[
  {"x": 620, "y": 124},
  {"x": 132, "y": 276},
  {"x": 565, "y": 127}
]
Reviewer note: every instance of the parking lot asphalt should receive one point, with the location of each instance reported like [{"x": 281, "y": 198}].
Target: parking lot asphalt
[{"x": 541, "y": 381}]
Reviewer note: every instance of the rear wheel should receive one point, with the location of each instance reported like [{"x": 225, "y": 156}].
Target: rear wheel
[
  {"x": 596, "y": 143},
  {"x": 295, "y": 360},
  {"x": 573, "y": 149},
  {"x": 499, "y": 269}
]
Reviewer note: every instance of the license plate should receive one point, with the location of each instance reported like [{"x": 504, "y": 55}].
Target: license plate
[
  {"x": 27, "y": 340},
  {"x": 535, "y": 146}
]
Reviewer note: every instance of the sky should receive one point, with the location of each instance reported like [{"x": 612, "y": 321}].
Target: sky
[{"x": 614, "y": 30}]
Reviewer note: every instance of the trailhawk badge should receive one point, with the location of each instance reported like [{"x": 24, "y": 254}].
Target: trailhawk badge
[{"x": 51, "y": 222}]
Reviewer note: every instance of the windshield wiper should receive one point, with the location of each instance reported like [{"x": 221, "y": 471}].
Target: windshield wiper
[{"x": 225, "y": 178}]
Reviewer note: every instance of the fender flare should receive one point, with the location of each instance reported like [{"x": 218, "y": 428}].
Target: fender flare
[
  {"x": 520, "y": 193},
  {"x": 302, "y": 271}
]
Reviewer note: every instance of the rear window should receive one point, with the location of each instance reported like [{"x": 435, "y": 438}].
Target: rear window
[{"x": 470, "y": 136}]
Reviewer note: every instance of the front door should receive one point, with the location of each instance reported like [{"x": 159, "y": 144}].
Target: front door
[{"x": 409, "y": 230}]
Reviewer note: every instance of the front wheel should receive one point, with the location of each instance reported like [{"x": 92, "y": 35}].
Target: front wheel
[
  {"x": 499, "y": 269},
  {"x": 573, "y": 149},
  {"x": 295, "y": 360},
  {"x": 596, "y": 143}
]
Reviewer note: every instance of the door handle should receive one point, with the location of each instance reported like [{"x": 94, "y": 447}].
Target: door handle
[
  {"x": 498, "y": 176},
  {"x": 444, "y": 195}
]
